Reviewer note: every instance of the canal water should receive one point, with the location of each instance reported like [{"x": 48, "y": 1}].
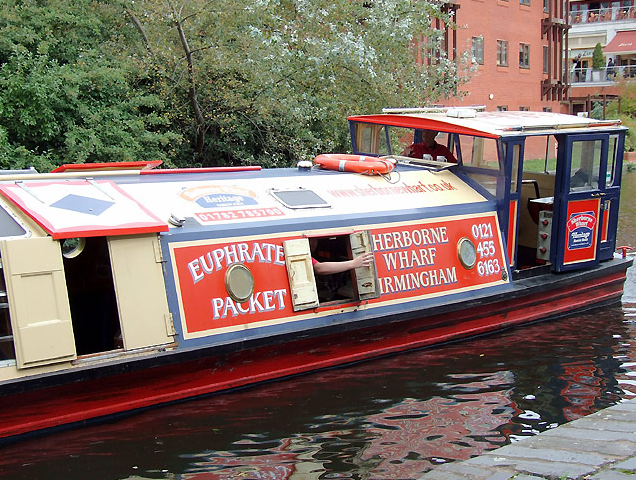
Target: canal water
[{"x": 391, "y": 418}]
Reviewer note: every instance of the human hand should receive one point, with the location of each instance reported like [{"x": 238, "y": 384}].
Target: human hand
[{"x": 364, "y": 260}]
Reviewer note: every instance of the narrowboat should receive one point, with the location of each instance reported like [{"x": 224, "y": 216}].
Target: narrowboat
[{"x": 127, "y": 286}]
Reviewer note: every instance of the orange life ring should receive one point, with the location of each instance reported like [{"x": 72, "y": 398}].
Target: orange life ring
[{"x": 355, "y": 163}]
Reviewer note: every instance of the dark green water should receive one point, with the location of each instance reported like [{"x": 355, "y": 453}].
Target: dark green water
[{"x": 392, "y": 418}]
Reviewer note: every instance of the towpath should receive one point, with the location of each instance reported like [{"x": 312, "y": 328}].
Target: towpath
[{"x": 601, "y": 446}]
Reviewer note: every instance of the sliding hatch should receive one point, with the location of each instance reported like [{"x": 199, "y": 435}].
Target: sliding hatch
[{"x": 309, "y": 290}]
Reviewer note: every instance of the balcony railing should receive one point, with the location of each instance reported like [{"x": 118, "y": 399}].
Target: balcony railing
[
  {"x": 614, "y": 14},
  {"x": 605, "y": 75}
]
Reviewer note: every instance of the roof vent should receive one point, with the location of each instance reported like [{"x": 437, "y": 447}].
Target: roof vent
[{"x": 461, "y": 112}]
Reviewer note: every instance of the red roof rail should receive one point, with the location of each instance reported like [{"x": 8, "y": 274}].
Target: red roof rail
[{"x": 91, "y": 167}]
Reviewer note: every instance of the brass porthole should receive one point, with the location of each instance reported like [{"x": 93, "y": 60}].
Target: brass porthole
[
  {"x": 239, "y": 282},
  {"x": 467, "y": 253}
]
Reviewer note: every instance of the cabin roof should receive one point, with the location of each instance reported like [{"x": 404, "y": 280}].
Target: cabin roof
[
  {"x": 487, "y": 124},
  {"x": 124, "y": 203}
]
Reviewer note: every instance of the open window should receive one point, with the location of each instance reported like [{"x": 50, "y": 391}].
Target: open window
[
  {"x": 310, "y": 290},
  {"x": 481, "y": 160},
  {"x": 395, "y": 141}
]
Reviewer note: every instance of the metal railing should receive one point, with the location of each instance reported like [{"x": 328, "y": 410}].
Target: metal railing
[
  {"x": 614, "y": 14},
  {"x": 604, "y": 75}
]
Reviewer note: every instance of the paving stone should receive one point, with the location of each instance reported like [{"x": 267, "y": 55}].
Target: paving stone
[
  {"x": 614, "y": 448},
  {"x": 465, "y": 472},
  {"x": 562, "y": 456},
  {"x": 555, "y": 469},
  {"x": 601, "y": 446},
  {"x": 591, "y": 434},
  {"x": 535, "y": 467},
  {"x": 624, "y": 406},
  {"x": 629, "y": 464},
  {"x": 617, "y": 415},
  {"x": 462, "y": 469},
  {"x": 490, "y": 461},
  {"x": 611, "y": 475},
  {"x": 607, "y": 425},
  {"x": 503, "y": 475},
  {"x": 435, "y": 475}
]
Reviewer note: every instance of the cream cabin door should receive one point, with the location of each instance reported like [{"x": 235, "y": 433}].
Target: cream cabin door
[
  {"x": 137, "y": 267},
  {"x": 366, "y": 277},
  {"x": 38, "y": 301},
  {"x": 300, "y": 272}
]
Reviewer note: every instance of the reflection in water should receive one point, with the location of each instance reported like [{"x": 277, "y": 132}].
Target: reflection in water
[{"x": 392, "y": 418}]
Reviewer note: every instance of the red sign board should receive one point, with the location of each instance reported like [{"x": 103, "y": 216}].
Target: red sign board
[
  {"x": 419, "y": 260},
  {"x": 413, "y": 261},
  {"x": 581, "y": 231}
]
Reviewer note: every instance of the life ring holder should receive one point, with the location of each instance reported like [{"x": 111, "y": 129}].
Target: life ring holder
[{"x": 355, "y": 163}]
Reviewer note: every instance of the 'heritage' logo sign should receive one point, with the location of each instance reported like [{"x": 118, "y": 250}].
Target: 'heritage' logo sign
[{"x": 580, "y": 230}]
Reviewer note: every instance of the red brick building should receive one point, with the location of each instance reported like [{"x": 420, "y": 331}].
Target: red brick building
[{"x": 518, "y": 52}]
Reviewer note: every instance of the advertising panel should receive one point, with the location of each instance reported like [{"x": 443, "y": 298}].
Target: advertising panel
[
  {"x": 581, "y": 231},
  {"x": 414, "y": 260}
]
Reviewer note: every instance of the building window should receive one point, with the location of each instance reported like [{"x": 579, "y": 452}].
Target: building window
[
  {"x": 502, "y": 53},
  {"x": 524, "y": 55},
  {"x": 546, "y": 57},
  {"x": 524, "y": 109},
  {"x": 502, "y": 108},
  {"x": 546, "y": 6},
  {"x": 478, "y": 50},
  {"x": 547, "y": 109},
  {"x": 524, "y": 2}
]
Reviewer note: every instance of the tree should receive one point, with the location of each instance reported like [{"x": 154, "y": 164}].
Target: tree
[
  {"x": 66, "y": 93},
  {"x": 627, "y": 115},
  {"x": 598, "y": 59},
  {"x": 202, "y": 83},
  {"x": 272, "y": 81}
]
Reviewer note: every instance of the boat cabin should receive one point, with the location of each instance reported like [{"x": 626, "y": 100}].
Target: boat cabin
[{"x": 556, "y": 178}]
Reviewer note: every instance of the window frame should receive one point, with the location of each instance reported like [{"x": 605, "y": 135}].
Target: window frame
[
  {"x": 502, "y": 53},
  {"x": 524, "y": 55},
  {"x": 305, "y": 286},
  {"x": 477, "y": 49}
]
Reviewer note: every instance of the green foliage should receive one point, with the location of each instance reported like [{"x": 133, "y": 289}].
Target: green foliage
[
  {"x": 277, "y": 79},
  {"x": 207, "y": 83},
  {"x": 66, "y": 97},
  {"x": 627, "y": 94},
  {"x": 598, "y": 59}
]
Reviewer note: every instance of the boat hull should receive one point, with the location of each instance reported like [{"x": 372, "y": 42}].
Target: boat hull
[{"x": 52, "y": 401}]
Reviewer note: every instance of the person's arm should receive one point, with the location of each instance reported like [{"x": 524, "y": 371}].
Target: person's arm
[
  {"x": 408, "y": 151},
  {"x": 328, "y": 268}
]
